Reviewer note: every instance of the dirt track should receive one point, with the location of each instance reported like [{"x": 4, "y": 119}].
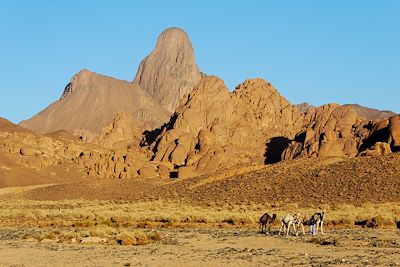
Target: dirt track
[{"x": 200, "y": 247}]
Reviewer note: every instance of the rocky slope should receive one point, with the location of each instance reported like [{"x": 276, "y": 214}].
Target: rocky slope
[
  {"x": 170, "y": 71},
  {"x": 371, "y": 113},
  {"x": 28, "y": 158},
  {"x": 91, "y": 101}
]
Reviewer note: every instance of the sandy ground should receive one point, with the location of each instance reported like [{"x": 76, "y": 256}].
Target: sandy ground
[
  {"x": 212, "y": 247},
  {"x": 21, "y": 189}
]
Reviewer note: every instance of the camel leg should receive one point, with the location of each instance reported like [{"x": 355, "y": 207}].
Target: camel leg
[
  {"x": 288, "y": 229},
  {"x": 302, "y": 226},
  {"x": 322, "y": 232},
  {"x": 295, "y": 229},
  {"x": 281, "y": 229}
]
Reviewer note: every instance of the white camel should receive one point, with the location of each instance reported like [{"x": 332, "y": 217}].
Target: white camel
[{"x": 289, "y": 220}]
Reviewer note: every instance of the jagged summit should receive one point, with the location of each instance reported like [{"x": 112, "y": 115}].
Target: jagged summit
[
  {"x": 170, "y": 71},
  {"x": 79, "y": 77}
]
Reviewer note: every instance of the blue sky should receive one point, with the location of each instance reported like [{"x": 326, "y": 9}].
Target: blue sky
[{"x": 312, "y": 51}]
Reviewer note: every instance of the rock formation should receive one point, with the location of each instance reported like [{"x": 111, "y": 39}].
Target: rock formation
[
  {"x": 123, "y": 131},
  {"x": 334, "y": 130},
  {"x": 170, "y": 71},
  {"x": 213, "y": 128},
  {"x": 91, "y": 101},
  {"x": 329, "y": 130},
  {"x": 30, "y": 158}
]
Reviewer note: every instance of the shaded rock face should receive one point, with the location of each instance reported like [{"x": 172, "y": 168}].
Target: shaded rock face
[
  {"x": 91, "y": 101},
  {"x": 170, "y": 71},
  {"x": 213, "y": 128},
  {"x": 386, "y": 131}
]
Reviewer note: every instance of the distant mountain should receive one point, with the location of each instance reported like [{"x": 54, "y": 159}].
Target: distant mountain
[
  {"x": 304, "y": 107},
  {"x": 371, "y": 113},
  {"x": 91, "y": 101}
]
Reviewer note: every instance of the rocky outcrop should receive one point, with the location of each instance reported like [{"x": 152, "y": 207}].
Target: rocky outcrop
[
  {"x": 336, "y": 131},
  {"x": 329, "y": 130},
  {"x": 123, "y": 131},
  {"x": 91, "y": 101},
  {"x": 378, "y": 149},
  {"x": 214, "y": 128},
  {"x": 386, "y": 131},
  {"x": 59, "y": 155},
  {"x": 170, "y": 71}
]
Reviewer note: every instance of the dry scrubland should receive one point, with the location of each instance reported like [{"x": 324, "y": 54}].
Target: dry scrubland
[
  {"x": 166, "y": 233},
  {"x": 130, "y": 223}
]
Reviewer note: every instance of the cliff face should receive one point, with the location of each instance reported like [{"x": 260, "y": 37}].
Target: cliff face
[{"x": 170, "y": 71}]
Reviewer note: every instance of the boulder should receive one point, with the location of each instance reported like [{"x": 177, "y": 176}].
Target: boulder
[
  {"x": 380, "y": 148},
  {"x": 28, "y": 151},
  {"x": 186, "y": 172},
  {"x": 147, "y": 171}
]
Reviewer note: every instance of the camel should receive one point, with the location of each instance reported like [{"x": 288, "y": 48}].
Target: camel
[
  {"x": 301, "y": 222},
  {"x": 319, "y": 217},
  {"x": 266, "y": 221},
  {"x": 288, "y": 221}
]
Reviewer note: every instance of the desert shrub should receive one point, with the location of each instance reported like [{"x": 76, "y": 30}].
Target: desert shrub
[{"x": 137, "y": 238}]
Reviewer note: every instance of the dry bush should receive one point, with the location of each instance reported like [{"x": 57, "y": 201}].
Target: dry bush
[{"x": 137, "y": 238}]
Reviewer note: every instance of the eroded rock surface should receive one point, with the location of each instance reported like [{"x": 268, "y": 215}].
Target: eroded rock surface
[{"x": 214, "y": 128}]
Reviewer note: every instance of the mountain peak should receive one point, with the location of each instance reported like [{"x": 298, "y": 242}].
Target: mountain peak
[{"x": 170, "y": 71}]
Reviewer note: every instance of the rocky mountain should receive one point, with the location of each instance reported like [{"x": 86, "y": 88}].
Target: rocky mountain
[
  {"x": 170, "y": 71},
  {"x": 213, "y": 128},
  {"x": 206, "y": 127},
  {"x": 304, "y": 107},
  {"x": 91, "y": 101}
]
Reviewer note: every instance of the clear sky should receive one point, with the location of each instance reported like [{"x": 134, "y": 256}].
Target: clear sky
[{"x": 312, "y": 51}]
